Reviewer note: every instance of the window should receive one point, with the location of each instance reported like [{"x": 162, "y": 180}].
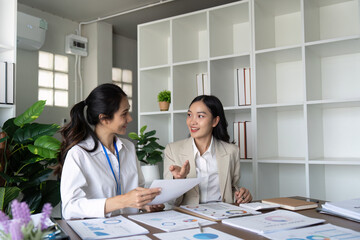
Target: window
[
  {"x": 123, "y": 78},
  {"x": 53, "y": 79}
]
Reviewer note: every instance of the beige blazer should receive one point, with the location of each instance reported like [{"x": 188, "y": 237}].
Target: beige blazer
[{"x": 228, "y": 163}]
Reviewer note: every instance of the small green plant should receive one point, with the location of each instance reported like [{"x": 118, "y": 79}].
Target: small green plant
[
  {"x": 164, "y": 96},
  {"x": 147, "y": 148}
]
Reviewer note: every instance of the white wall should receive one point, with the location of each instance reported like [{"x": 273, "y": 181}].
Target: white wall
[
  {"x": 27, "y": 66},
  {"x": 125, "y": 57}
]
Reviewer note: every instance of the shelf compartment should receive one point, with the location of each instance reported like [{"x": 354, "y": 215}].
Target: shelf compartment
[
  {"x": 154, "y": 44},
  {"x": 246, "y": 177},
  {"x": 233, "y": 116},
  {"x": 281, "y": 133},
  {"x": 277, "y": 23},
  {"x": 230, "y": 30},
  {"x": 281, "y": 180},
  {"x": 279, "y": 77},
  {"x": 7, "y": 111},
  {"x": 326, "y": 19},
  {"x": 223, "y": 78},
  {"x": 332, "y": 131},
  {"x": 180, "y": 129},
  {"x": 332, "y": 70},
  {"x": 152, "y": 82},
  {"x": 184, "y": 83},
  {"x": 160, "y": 123},
  {"x": 190, "y": 37},
  {"x": 333, "y": 182}
]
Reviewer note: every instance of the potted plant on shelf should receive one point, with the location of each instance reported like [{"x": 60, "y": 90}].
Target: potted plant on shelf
[
  {"x": 164, "y": 99},
  {"x": 27, "y": 153},
  {"x": 148, "y": 152}
]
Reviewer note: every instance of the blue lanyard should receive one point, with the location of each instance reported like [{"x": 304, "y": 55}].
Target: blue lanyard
[{"x": 118, "y": 186}]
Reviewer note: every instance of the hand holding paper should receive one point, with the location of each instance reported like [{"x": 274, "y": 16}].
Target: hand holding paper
[{"x": 173, "y": 188}]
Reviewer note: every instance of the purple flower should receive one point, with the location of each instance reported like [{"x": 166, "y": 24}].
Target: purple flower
[
  {"x": 46, "y": 211},
  {"x": 4, "y": 220},
  {"x": 15, "y": 230},
  {"x": 25, "y": 213},
  {"x": 21, "y": 212}
]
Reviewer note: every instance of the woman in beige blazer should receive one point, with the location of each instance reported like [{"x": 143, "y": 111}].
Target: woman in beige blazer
[{"x": 206, "y": 154}]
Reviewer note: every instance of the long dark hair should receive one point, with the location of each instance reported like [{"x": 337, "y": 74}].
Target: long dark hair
[
  {"x": 216, "y": 108},
  {"x": 104, "y": 99}
]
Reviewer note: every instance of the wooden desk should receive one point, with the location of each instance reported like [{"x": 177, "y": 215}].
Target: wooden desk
[{"x": 341, "y": 222}]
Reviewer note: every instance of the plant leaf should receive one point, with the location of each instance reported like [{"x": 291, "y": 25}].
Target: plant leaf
[
  {"x": 7, "y": 194},
  {"x": 30, "y": 114},
  {"x": 31, "y": 132},
  {"x": 133, "y": 136},
  {"x": 154, "y": 159},
  {"x": 45, "y": 146},
  {"x": 151, "y": 133},
  {"x": 9, "y": 127},
  {"x": 142, "y": 129}
]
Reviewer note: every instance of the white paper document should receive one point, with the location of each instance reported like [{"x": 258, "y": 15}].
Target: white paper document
[
  {"x": 348, "y": 208},
  {"x": 194, "y": 234},
  {"x": 273, "y": 221},
  {"x": 326, "y": 231},
  {"x": 170, "y": 220},
  {"x": 218, "y": 210},
  {"x": 103, "y": 228},
  {"x": 172, "y": 188}
]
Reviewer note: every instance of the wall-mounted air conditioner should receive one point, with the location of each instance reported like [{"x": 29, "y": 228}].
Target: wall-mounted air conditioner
[{"x": 30, "y": 31}]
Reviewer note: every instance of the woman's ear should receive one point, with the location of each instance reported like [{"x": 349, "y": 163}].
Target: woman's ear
[
  {"x": 102, "y": 118},
  {"x": 216, "y": 120}
]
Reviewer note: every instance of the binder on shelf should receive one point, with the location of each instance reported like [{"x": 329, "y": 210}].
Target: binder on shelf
[
  {"x": 243, "y": 138},
  {"x": 206, "y": 84},
  {"x": 240, "y": 79},
  {"x": 202, "y": 84},
  {"x": 2, "y": 82},
  {"x": 199, "y": 84},
  {"x": 243, "y": 80},
  {"x": 10, "y": 77},
  {"x": 247, "y": 86},
  {"x": 248, "y": 133}
]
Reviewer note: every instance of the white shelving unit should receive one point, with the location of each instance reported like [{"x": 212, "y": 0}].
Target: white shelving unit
[
  {"x": 8, "y": 10},
  {"x": 304, "y": 57}
]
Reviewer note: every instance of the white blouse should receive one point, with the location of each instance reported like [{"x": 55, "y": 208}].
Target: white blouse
[
  {"x": 87, "y": 180},
  {"x": 206, "y": 168}
]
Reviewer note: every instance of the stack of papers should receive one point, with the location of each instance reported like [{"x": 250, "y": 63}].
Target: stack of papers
[
  {"x": 326, "y": 231},
  {"x": 103, "y": 228},
  {"x": 170, "y": 220},
  {"x": 217, "y": 210},
  {"x": 348, "y": 209},
  {"x": 273, "y": 221},
  {"x": 195, "y": 234}
]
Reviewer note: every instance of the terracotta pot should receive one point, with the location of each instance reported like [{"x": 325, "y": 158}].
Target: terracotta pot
[{"x": 164, "y": 106}]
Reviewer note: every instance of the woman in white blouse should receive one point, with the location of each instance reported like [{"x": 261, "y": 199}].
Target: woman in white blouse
[
  {"x": 100, "y": 173},
  {"x": 206, "y": 154}
]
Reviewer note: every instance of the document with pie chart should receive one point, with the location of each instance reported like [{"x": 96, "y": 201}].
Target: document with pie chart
[
  {"x": 170, "y": 220},
  {"x": 273, "y": 221},
  {"x": 326, "y": 231},
  {"x": 103, "y": 228},
  {"x": 217, "y": 210},
  {"x": 194, "y": 234}
]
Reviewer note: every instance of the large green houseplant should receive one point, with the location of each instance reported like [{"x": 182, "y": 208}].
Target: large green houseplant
[{"x": 28, "y": 153}]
